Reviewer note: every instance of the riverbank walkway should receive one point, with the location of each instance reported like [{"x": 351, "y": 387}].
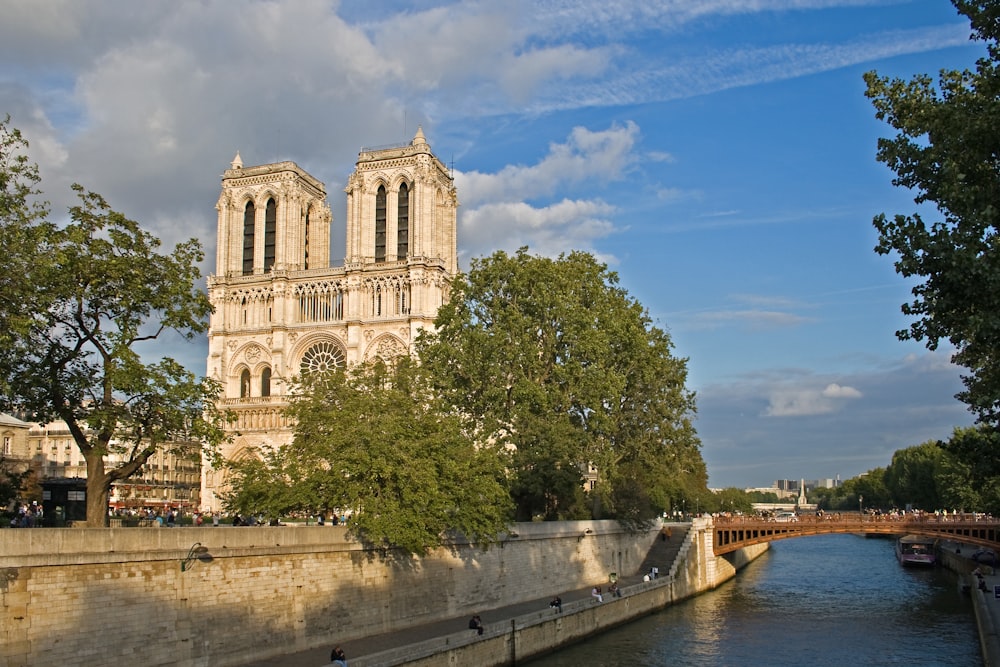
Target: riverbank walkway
[{"x": 362, "y": 651}]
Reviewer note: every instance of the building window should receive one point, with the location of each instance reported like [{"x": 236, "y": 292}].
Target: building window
[
  {"x": 248, "y": 222},
  {"x": 322, "y": 358},
  {"x": 380, "y": 224},
  {"x": 244, "y": 383},
  {"x": 6, "y": 445},
  {"x": 270, "y": 233},
  {"x": 265, "y": 382},
  {"x": 305, "y": 259},
  {"x": 403, "y": 222}
]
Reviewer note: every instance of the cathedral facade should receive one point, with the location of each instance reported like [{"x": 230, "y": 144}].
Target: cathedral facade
[{"x": 280, "y": 308}]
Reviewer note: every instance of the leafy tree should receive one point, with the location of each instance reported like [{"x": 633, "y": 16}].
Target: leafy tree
[
  {"x": 869, "y": 488},
  {"x": 734, "y": 500},
  {"x": 376, "y": 442},
  {"x": 970, "y": 473},
  {"x": 90, "y": 294},
  {"x": 912, "y": 476},
  {"x": 946, "y": 149},
  {"x": 551, "y": 360},
  {"x": 258, "y": 484},
  {"x": 10, "y": 485},
  {"x": 762, "y": 497}
]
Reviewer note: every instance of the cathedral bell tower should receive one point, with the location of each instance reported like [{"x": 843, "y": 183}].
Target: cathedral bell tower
[{"x": 279, "y": 307}]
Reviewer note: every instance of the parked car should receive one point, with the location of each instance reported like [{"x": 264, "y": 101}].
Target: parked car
[
  {"x": 985, "y": 556},
  {"x": 785, "y": 516}
]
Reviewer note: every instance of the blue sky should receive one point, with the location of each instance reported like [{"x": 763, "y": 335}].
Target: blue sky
[{"x": 717, "y": 154}]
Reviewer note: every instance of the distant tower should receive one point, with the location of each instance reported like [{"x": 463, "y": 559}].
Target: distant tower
[
  {"x": 802, "y": 493},
  {"x": 279, "y": 305}
]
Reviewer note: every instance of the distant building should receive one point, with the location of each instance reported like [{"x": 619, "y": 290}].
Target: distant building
[
  {"x": 167, "y": 480},
  {"x": 14, "y": 443}
]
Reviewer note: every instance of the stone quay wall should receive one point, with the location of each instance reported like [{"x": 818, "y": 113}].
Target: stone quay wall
[
  {"x": 148, "y": 596},
  {"x": 695, "y": 571}
]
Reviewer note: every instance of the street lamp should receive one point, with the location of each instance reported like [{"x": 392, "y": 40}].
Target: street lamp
[
  {"x": 861, "y": 499},
  {"x": 197, "y": 552}
]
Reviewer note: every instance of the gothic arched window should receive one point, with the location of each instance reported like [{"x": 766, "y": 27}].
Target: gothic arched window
[
  {"x": 403, "y": 222},
  {"x": 305, "y": 240},
  {"x": 265, "y": 382},
  {"x": 380, "y": 224},
  {"x": 248, "y": 222},
  {"x": 244, "y": 383},
  {"x": 270, "y": 233},
  {"x": 322, "y": 358}
]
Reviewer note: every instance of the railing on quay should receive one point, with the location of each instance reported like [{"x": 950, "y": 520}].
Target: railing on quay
[{"x": 735, "y": 532}]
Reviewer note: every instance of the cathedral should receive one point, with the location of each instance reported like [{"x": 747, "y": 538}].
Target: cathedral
[{"x": 279, "y": 307}]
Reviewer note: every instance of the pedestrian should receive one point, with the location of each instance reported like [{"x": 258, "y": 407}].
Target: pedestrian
[{"x": 338, "y": 657}]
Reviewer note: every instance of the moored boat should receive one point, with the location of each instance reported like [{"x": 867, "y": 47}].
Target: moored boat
[{"x": 916, "y": 550}]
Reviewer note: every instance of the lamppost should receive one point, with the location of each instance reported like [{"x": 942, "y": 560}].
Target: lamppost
[{"x": 861, "y": 499}]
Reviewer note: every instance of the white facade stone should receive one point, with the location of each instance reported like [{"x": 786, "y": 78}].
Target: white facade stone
[{"x": 280, "y": 306}]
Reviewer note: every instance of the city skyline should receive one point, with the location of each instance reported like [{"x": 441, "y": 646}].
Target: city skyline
[{"x": 720, "y": 156}]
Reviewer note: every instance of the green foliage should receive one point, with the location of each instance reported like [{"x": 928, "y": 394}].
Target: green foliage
[
  {"x": 912, "y": 476},
  {"x": 10, "y": 485},
  {"x": 868, "y": 490},
  {"x": 970, "y": 472},
  {"x": 554, "y": 361},
  {"x": 945, "y": 149},
  {"x": 763, "y": 496},
  {"x": 80, "y": 301},
  {"x": 735, "y": 500},
  {"x": 258, "y": 485},
  {"x": 376, "y": 442}
]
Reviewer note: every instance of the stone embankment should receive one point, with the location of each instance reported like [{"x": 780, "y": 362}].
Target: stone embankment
[
  {"x": 530, "y": 629},
  {"x": 237, "y": 596},
  {"x": 985, "y": 603}
]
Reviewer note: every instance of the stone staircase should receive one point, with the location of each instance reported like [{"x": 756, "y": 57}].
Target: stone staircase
[{"x": 663, "y": 553}]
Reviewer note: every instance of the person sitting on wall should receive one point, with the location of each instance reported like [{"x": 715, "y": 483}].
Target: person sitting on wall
[
  {"x": 614, "y": 590},
  {"x": 556, "y": 604},
  {"x": 476, "y": 623},
  {"x": 337, "y": 656},
  {"x": 595, "y": 593}
]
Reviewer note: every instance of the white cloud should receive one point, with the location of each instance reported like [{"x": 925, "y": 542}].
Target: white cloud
[
  {"x": 834, "y": 390},
  {"x": 549, "y": 230},
  {"x": 496, "y": 210},
  {"x": 603, "y": 155},
  {"x": 806, "y": 401},
  {"x": 751, "y": 319}
]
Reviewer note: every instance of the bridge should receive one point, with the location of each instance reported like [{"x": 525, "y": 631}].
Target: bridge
[{"x": 732, "y": 533}]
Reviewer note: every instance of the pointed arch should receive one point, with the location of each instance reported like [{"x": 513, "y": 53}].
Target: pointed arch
[
  {"x": 245, "y": 383},
  {"x": 265, "y": 381},
  {"x": 270, "y": 232},
  {"x": 249, "y": 215},
  {"x": 380, "y": 203},
  {"x": 305, "y": 238},
  {"x": 403, "y": 222}
]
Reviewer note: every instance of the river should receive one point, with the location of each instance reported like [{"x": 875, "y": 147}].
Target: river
[{"x": 809, "y": 601}]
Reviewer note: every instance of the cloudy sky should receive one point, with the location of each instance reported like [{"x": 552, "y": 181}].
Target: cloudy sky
[{"x": 717, "y": 154}]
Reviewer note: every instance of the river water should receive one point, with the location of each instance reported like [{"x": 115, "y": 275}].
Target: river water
[{"x": 809, "y": 601}]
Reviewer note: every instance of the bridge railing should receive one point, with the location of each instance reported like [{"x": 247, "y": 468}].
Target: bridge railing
[
  {"x": 734, "y": 532},
  {"x": 864, "y": 517}
]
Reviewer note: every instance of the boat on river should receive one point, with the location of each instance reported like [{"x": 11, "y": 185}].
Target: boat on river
[{"x": 916, "y": 550}]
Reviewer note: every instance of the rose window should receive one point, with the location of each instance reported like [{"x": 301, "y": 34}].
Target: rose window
[{"x": 322, "y": 358}]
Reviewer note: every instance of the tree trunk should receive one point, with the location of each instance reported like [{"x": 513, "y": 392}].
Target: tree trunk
[{"x": 98, "y": 491}]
